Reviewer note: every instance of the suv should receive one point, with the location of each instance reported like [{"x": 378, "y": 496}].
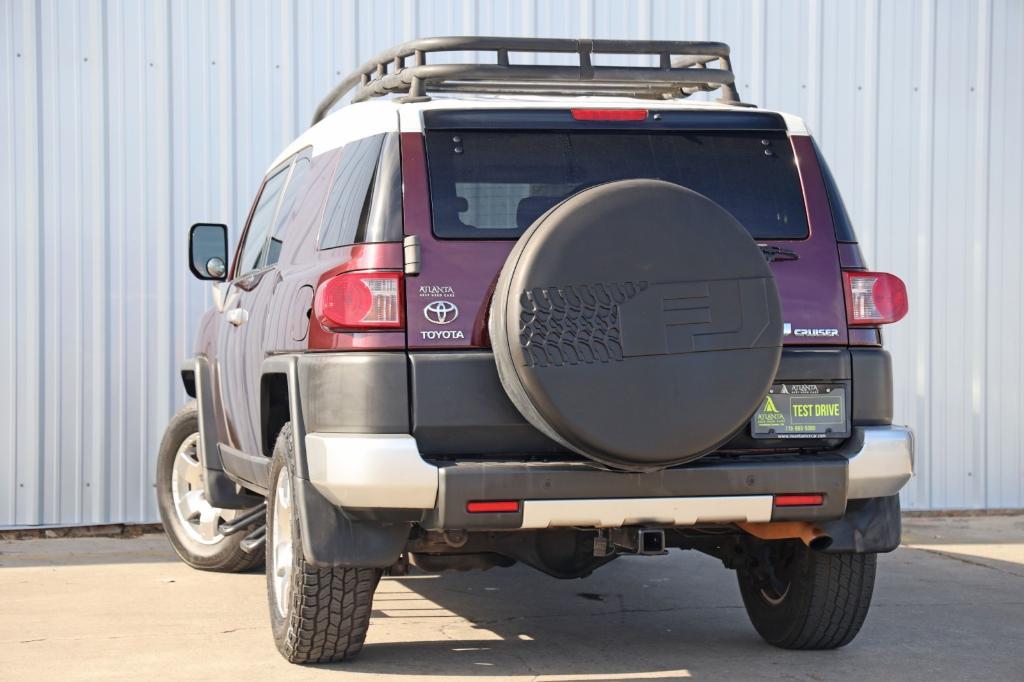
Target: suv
[{"x": 541, "y": 313}]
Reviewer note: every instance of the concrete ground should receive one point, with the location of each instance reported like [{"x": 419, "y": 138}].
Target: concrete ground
[{"x": 948, "y": 605}]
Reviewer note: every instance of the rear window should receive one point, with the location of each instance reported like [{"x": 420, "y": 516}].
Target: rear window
[{"x": 493, "y": 184}]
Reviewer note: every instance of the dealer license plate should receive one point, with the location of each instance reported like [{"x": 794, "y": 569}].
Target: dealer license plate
[{"x": 802, "y": 411}]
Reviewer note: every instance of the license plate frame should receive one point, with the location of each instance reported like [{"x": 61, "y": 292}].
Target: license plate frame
[{"x": 803, "y": 410}]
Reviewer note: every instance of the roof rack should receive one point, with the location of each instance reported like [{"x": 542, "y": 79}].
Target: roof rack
[{"x": 682, "y": 70}]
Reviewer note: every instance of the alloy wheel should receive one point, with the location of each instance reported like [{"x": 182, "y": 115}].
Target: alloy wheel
[
  {"x": 281, "y": 554},
  {"x": 199, "y": 519}
]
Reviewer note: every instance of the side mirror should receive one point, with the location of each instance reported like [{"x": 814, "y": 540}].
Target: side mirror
[{"x": 208, "y": 251}]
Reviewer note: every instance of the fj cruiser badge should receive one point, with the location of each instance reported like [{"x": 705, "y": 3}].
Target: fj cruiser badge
[
  {"x": 787, "y": 329},
  {"x": 441, "y": 312}
]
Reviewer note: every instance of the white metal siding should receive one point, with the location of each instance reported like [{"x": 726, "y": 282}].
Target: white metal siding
[{"x": 123, "y": 122}]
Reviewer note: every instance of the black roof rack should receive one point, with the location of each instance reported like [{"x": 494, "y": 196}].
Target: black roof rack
[{"x": 682, "y": 70}]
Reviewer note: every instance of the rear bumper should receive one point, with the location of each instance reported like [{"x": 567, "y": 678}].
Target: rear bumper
[{"x": 386, "y": 473}]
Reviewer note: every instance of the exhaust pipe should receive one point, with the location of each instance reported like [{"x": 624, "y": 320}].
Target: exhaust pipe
[{"x": 812, "y": 536}]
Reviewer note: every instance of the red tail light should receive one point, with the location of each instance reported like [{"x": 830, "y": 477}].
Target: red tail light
[
  {"x": 609, "y": 114},
  {"x": 874, "y": 298},
  {"x": 357, "y": 301},
  {"x": 800, "y": 500}
]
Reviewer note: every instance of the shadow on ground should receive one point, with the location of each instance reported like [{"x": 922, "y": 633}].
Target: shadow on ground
[
  {"x": 628, "y": 621},
  {"x": 950, "y": 606}
]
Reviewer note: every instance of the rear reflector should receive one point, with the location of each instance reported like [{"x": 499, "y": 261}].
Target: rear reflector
[
  {"x": 800, "y": 500},
  {"x": 874, "y": 298},
  {"x": 609, "y": 114},
  {"x": 492, "y": 507},
  {"x": 356, "y": 301}
]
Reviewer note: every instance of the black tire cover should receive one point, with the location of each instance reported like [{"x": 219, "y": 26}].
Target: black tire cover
[{"x": 637, "y": 323}]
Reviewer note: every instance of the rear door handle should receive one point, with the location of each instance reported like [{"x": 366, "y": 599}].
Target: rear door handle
[{"x": 238, "y": 316}]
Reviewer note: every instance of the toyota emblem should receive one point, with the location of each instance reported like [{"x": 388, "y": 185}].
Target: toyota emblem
[{"x": 441, "y": 312}]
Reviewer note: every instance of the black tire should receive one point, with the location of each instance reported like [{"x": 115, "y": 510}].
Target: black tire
[
  {"x": 808, "y": 599},
  {"x": 222, "y": 555},
  {"x": 327, "y": 610}
]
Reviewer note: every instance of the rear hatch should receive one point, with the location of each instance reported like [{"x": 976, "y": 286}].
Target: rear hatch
[{"x": 477, "y": 179}]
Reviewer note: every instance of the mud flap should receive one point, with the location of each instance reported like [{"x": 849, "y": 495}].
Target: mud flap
[
  {"x": 869, "y": 526},
  {"x": 332, "y": 540}
]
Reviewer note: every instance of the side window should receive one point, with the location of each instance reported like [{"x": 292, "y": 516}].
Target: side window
[
  {"x": 262, "y": 217},
  {"x": 840, "y": 217},
  {"x": 384, "y": 221},
  {"x": 348, "y": 202},
  {"x": 296, "y": 186}
]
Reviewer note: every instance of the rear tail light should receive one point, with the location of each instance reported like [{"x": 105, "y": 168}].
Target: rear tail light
[
  {"x": 357, "y": 301},
  {"x": 609, "y": 114},
  {"x": 800, "y": 500},
  {"x": 874, "y": 298}
]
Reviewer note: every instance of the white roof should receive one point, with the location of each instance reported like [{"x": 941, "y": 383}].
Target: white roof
[{"x": 376, "y": 116}]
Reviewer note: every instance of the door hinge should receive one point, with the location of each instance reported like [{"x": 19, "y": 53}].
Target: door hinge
[{"x": 411, "y": 251}]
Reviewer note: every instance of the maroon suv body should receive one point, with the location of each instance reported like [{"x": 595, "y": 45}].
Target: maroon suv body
[{"x": 440, "y": 341}]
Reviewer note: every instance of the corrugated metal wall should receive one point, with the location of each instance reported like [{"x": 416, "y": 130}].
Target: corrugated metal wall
[{"x": 123, "y": 122}]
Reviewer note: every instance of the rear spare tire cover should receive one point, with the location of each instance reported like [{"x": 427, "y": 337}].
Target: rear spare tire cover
[{"x": 637, "y": 323}]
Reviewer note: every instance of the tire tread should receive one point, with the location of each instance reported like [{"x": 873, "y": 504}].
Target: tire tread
[
  {"x": 331, "y": 607},
  {"x": 830, "y": 603}
]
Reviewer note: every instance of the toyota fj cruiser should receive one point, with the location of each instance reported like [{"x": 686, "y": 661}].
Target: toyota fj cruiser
[{"x": 541, "y": 313}]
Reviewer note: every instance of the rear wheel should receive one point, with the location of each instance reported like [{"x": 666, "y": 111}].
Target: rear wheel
[
  {"x": 317, "y": 615},
  {"x": 798, "y": 598},
  {"x": 193, "y": 524}
]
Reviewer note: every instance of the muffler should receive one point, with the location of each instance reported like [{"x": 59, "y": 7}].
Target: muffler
[{"x": 812, "y": 536}]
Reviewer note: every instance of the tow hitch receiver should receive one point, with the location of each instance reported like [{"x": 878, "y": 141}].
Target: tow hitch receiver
[
  {"x": 652, "y": 541},
  {"x": 646, "y": 541}
]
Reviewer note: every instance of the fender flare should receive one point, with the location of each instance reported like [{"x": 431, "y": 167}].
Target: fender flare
[{"x": 287, "y": 365}]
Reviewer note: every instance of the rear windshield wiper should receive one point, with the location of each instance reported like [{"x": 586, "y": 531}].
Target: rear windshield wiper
[{"x": 774, "y": 253}]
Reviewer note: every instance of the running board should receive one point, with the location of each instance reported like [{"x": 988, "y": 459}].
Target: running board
[
  {"x": 256, "y": 514},
  {"x": 255, "y": 540}
]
